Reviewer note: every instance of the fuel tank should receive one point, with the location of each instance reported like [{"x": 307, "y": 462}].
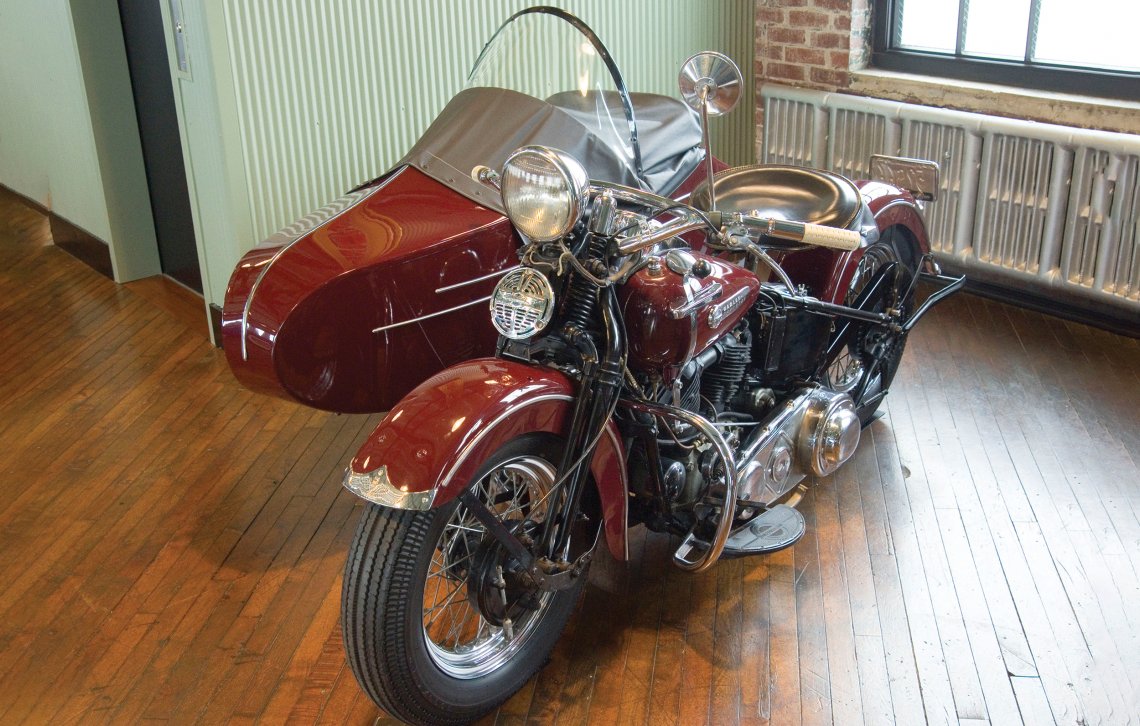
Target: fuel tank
[{"x": 670, "y": 317}]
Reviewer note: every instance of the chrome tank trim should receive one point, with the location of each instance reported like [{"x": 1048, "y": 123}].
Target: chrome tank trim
[
  {"x": 718, "y": 312},
  {"x": 701, "y": 297},
  {"x": 473, "y": 281},
  {"x": 436, "y": 314},
  {"x": 297, "y": 231}
]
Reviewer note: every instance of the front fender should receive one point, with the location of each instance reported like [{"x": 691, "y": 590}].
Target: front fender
[{"x": 426, "y": 451}]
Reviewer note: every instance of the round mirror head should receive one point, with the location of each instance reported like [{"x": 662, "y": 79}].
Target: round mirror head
[{"x": 713, "y": 78}]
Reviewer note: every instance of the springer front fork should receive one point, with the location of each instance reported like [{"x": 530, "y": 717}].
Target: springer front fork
[{"x": 602, "y": 367}]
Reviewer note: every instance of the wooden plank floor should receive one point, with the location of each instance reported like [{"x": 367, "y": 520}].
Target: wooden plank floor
[{"x": 171, "y": 545}]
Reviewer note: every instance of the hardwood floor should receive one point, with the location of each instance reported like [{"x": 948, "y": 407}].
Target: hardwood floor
[{"x": 171, "y": 545}]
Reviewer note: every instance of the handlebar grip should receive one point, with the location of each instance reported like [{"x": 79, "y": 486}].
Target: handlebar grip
[{"x": 840, "y": 239}]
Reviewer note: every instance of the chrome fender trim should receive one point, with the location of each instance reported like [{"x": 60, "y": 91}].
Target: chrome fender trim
[{"x": 375, "y": 487}]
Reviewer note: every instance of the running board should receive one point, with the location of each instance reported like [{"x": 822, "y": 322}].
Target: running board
[{"x": 779, "y": 527}]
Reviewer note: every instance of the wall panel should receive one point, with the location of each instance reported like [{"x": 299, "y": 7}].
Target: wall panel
[{"x": 331, "y": 94}]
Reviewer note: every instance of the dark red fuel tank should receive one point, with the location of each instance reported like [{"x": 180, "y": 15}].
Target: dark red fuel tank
[
  {"x": 354, "y": 313},
  {"x": 665, "y": 319}
]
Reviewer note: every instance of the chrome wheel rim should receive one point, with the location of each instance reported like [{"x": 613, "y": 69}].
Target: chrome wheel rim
[
  {"x": 460, "y": 642},
  {"x": 846, "y": 371}
]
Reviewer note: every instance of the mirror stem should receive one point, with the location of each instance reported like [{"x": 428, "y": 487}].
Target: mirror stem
[{"x": 707, "y": 145}]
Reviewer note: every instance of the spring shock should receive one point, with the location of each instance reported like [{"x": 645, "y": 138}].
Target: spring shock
[{"x": 582, "y": 297}]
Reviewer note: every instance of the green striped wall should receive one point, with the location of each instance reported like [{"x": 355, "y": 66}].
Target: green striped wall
[{"x": 332, "y": 93}]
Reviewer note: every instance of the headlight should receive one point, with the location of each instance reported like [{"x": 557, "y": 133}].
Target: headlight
[
  {"x": 522, "y": 303},
  {"x": 543, "y": 192}
]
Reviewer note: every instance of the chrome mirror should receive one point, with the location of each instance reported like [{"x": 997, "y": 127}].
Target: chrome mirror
[{"x": 710, "y": 82}]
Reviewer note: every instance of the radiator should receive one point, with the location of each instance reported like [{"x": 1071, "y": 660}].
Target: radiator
[{"x": 1031, "y": 204}]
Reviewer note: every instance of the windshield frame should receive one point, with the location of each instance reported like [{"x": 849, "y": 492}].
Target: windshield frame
[{"x": 603, "y": 53}]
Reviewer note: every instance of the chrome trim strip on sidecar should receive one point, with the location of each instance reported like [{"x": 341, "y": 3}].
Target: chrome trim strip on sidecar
[
  {"x": 465, "y": 283},
  {"x": 361, "y": 196},
  {"x": 429, "y": 316}
]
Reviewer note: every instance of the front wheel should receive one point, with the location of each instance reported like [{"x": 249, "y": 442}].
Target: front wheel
[{"x": 436, "y": 628}]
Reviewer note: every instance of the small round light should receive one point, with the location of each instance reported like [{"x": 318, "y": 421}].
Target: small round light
[
  {"x": 543, "y": 192},
  {"x": 522, "y": 303}
]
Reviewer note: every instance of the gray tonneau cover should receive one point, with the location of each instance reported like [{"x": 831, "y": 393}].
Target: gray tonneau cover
[{"x": 481, "y": 126}]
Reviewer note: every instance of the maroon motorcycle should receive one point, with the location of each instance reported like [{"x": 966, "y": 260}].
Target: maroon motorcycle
[{"x": 576, "y": 327}]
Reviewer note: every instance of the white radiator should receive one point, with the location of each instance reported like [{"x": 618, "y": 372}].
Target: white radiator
[{"x": 1052, "y": 206}]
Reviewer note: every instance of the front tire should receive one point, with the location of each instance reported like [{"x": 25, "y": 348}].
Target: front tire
[{"x": 415, "y": 637}]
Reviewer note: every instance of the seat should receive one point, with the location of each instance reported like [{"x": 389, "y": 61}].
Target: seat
[{"x": 784, "y": 192}]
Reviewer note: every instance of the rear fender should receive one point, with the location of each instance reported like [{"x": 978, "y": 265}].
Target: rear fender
[
  {"x": 426, "y": 451},
  {"x": 828, "y": 272},
  {"x": 892, "y": 207}
]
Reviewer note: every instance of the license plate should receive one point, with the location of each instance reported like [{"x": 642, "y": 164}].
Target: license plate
[{"x": 917, "y": 176}]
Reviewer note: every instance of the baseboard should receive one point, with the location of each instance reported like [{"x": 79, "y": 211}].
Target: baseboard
[
  {"x": 1059, "y": 303},
  {"x": 81, "y": 245},
  {"x": 216, "y": 324},
  {"x": 76, "y": 241}
]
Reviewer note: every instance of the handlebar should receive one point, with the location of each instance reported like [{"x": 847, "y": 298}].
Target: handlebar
[{"x": 687, "y": 219}]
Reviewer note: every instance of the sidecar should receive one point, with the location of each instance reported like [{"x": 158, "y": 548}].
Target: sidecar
[{"x": 352, "y": 306}]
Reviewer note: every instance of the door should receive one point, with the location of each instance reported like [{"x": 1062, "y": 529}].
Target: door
[{"x": 143, "y": 33}]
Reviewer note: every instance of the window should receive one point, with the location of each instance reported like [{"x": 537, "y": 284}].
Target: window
[{"x": 1076, "y": 46}]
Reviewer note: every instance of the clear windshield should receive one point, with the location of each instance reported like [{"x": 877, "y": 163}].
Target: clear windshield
[{"x": 577, "y": 73}]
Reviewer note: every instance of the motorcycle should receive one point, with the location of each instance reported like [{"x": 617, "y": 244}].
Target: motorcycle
[{"x": 579, "y": 321}]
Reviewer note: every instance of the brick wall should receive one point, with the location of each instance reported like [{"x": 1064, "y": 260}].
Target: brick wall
[
  {"x": 810, "y": 43},
  {"x": 818, "y": 43}
]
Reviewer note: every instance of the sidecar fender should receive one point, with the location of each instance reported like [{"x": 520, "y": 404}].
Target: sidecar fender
[{"x": 426, "y": 450}]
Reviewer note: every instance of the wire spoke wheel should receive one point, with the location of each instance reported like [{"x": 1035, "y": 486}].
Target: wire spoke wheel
[
  {"x": 439, "y": 624},
  {"x": 460, "y": 639}
]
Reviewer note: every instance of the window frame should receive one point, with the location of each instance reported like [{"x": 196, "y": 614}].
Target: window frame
[{"x": 886, "y": 55}]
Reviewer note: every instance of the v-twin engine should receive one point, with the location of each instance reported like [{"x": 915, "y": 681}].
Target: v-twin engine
[{"x": 815, "y": 431}]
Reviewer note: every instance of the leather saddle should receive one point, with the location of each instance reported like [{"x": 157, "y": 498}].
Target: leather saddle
[{"x": 785, "y": 192}]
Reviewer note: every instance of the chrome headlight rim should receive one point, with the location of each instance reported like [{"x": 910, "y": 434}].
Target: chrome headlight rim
[{"x": 575, "y": 183}]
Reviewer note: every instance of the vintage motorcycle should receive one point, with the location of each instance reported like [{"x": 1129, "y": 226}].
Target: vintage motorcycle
[{"x": 576, "y": 327}]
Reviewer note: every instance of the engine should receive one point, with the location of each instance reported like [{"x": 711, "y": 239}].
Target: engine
[{"x": 735, "y": 383}]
